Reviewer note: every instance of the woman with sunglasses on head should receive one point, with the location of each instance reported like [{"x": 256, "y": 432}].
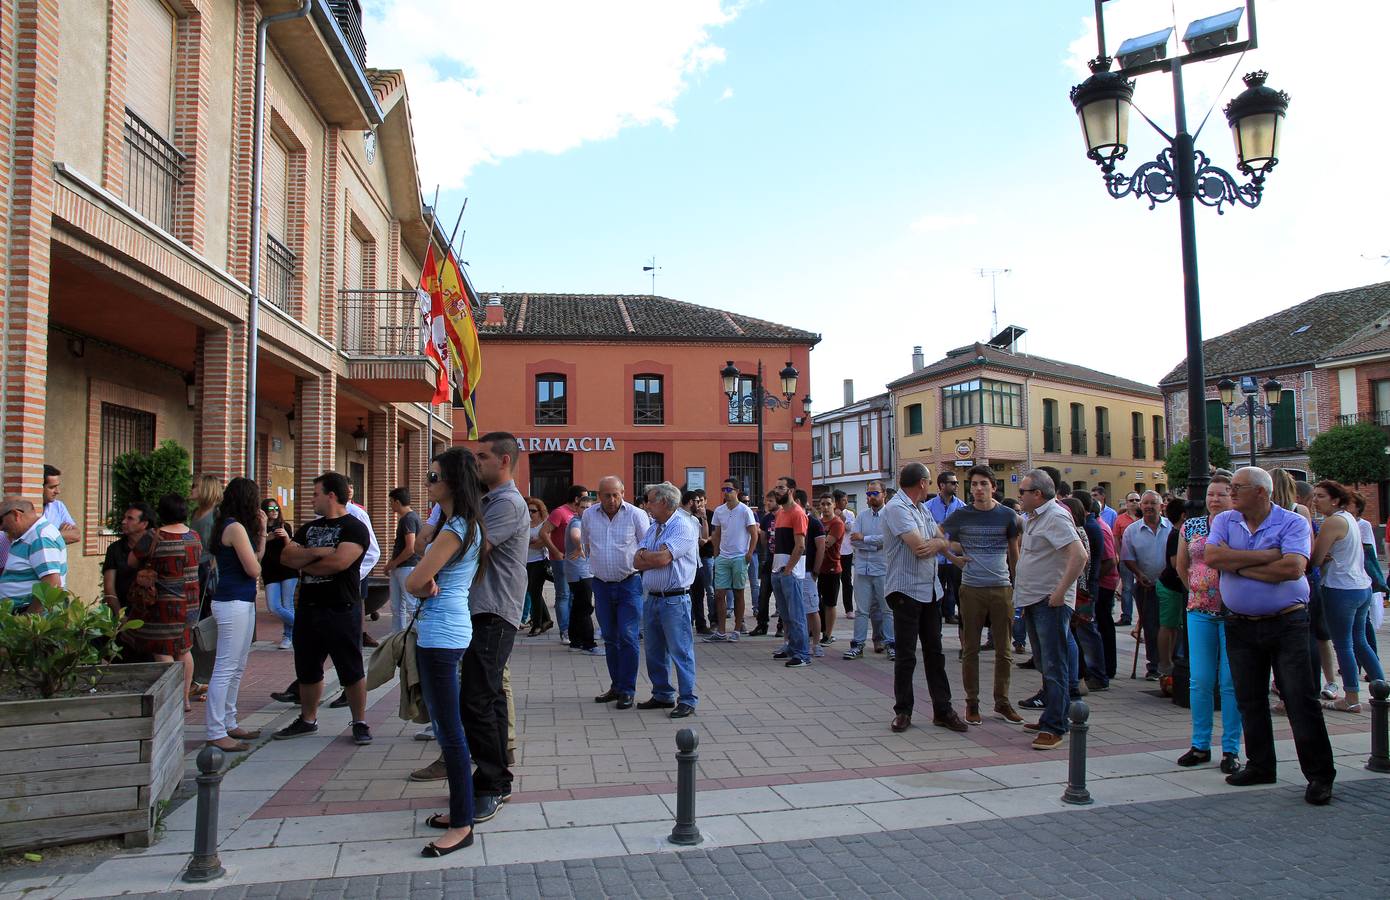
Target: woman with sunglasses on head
[
  {"x": 537, "y": 568},
  {"x": 444, "y": 629},
  {"x": 1346, "y": 591},
  {"x": 238, "y": 544},
  {"x": 280, "y": 581}
]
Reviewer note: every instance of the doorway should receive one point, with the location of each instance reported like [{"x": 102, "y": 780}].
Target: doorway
[{"x": 552, "y": 474}]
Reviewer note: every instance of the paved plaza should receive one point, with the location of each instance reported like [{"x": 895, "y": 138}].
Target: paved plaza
[{"x": 791, "y": 762}]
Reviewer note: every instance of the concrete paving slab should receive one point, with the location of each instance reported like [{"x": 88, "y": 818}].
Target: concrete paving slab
[
  {"x": 570, "y": 813},
  {"x": 513, "y": 817},
  {"x": 553, "y": 844},
  {"x": 275, "y": 864},
  {"x": 300, "y": 831},
  {"x": 796, "y": 824},
  {"x": 933, "y": 784},
  {"x": 1048, "y": 769},
  {"x": 128, "y": 875},
  {"x": 732, "y": 801},
  {"x": 1133, "y": 764},
  {"x": 233, "y": 809},
  {"x": 255, "y": 834},
  {"x": 715, "y": 831},
  {"x": 834, "y": 793},
  {"x": 1022, "y": 801},
  {"x": 923, "y": 812},
  {"x": 402, "y": 855}
]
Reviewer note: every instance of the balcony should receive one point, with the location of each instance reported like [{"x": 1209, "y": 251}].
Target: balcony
[
  {"x": 1052, "y": 439},
  {"x": 1160, "y": 449},
  {"x": 1078, "y": 441},
  {"x": 279, "y": 275},
  {"x": 153, "y": 173},
  {"x": 1140, "y": 448},
  {"x": 379, "y": 333},
  {"x": 1103, "y": 443},
  {"x": 1379, "y": 417}
]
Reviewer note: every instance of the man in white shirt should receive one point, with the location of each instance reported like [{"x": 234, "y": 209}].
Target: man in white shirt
[
  {"x": 612, "y": 533},
  {"x": 734, "y": 537},
  {"x": 55, "y": 510},
  {"x": 667, "y": 560},
  {"x": 369, "y": 559}
]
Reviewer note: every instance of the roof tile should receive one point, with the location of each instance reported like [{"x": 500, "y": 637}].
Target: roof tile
[
  {"x": 633, "y": 317},
  {"x": 973, "y": 356}
]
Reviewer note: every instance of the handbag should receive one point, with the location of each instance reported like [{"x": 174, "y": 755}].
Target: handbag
[{"x": 205, "y": 635}]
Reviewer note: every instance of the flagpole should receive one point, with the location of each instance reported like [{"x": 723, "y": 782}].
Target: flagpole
[{"x": 429, "y": 405}]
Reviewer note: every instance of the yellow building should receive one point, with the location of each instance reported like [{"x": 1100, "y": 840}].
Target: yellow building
[{"x": 988, "y": 404}]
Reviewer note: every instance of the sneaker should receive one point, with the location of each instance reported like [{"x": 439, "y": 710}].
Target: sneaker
[
  {"x": 361, "y": 733},
  {"x": 972, "y": 714},
  {"x": 1046, "y": 740},
  {"x": 426, "y": 734},
  {"x": 760, "y": 631},
  {"x": 485, "y": 807},
  {"x": 1150, "y": 676},
  {"x": 716, "y": 637},
  {"x": 297, "y": 728},
  {"x": 819, "y": 651},
  {"x": 731, "y": 637},
  {"x": 798, "y": 663},
  {"x": 339, "y": 703},
  {"x": 1033, "y": 702},
  {"x": 828, "y": 640},
  {"x": 564, "y": 637},
  {"x": 595, "y": 651},
  {"x": 892, "y": 653},
  {"x": 435, "y": 771},
  {"x": 849, "y": 615},
  {"x": 1331, "y": 691},
  {"x": 782, "y": 654},
  {"x": 285, "y": 644},
  {"x": 854, "y": 652},
  {"x": 285, "y": 696},
  {"x": 1005, "y": 711}
]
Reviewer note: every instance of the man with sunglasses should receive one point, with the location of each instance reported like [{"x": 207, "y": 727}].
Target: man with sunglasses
[
  {"x": 1123, "y": 520},
  {"x": 37, "y": 553},
  {"x": 735, "y": 538},
  {"x": 869, "y": 572},
  {"x": 941, "y": 507}
]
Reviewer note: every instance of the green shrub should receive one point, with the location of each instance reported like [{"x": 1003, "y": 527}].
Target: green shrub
[
  {"x": 64, "y": 645},
  {"x": 144, "y": 478}
]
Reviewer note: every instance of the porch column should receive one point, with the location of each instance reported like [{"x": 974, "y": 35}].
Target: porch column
[
  {"x": 315, "y": 416},
  {"x": 383, "y": 474},
  {"x": 219, "y": 431},
  {"x": 418, "y": 460}
]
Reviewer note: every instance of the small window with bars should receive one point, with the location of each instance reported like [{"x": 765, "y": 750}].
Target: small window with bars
[
  {"x": 123, "y": 430},
  {"x": 552, "y": 404},
  {"x": 647, "y": 469},
  {"x": 648, "y": 400}
]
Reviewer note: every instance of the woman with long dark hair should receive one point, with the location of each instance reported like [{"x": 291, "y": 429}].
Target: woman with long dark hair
[
  {"x": 280, "y": 581},
  {"x": 1346, "y": 591},
  {"x": 444, "y": 628},
  {"x": 537, "y": 568},
  {"x": 238, "y": 543}
]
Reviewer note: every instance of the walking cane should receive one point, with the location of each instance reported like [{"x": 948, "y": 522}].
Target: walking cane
[{"x": 1138, "y": 636}]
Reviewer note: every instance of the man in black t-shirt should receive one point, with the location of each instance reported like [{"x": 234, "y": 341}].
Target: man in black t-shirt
[{"x": 328, "y": 617}]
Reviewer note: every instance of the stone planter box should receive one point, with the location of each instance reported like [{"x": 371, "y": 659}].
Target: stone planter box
[{"x": 94, "y": 766}]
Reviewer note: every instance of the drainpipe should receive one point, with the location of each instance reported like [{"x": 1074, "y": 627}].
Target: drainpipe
[{"x": 257, "y": 158}]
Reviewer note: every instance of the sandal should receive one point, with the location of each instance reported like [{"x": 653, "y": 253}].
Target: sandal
[
  {"x": 243, "y": 734},
  {"x": 1341, "y": 706},
  {"x": 235, "y": 747},
  {"x": 438, "y": 821},
  {"x": 198, "y": 690}
]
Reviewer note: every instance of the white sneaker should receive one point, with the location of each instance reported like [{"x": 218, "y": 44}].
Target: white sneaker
[
  {"x": 731, "y": 637},
  {"x": 1331, "y": 691},
  {"x": 425, "y": 735},
  {"x": 286, "y": 644},
  {"x": 819, "y": 651},
  {"x": 715, "y": 637},
  {"x": 564, "y": 637}
]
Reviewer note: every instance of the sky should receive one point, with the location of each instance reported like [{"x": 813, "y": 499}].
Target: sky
[{"x": 850, "y": 169}]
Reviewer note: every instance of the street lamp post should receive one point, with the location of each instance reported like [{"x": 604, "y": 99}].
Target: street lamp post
[
  {"x": 1250, "y": 388},
  {"x": 759, "y": 399},
  {"x": 1103, "y": 104}
]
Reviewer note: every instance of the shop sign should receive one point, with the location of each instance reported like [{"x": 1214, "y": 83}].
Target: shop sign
[{"x": 565, "y": 445}]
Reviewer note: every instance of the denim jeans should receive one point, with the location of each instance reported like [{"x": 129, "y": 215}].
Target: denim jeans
[
  {"x": 618, "y": 608},
  {"x": 1048, "y": 629},
  {"x": 1279, "y": 644},
  {"x": 787, "y": 588},
  {"x": 707, "y": 568},
  {"x": 563, "y": 598},
  {"x": 755, "y": 567},
  {"x": 1126, "y": 593},
  {"x": 403, "y": 605},
  {"x": 483, "y": 702},
  {"x": 1088, "y": 640},
  {"x": 439, "y": 683},
  {"x": 669, "y": 640},
  {"x": 1208, "y": 661},
  {"x": 949, "y": 576},
  {"x": 279, "y": 598},
  {"x": 873, "y": 609},
  {"x": 1347, "y": 612},
  {"x": 914, "y": 621}
]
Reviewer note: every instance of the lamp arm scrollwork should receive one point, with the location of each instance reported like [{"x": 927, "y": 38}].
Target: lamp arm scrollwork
[{"x": 1157, "y": 181}]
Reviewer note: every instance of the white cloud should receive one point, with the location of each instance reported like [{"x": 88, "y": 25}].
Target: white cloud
[
  {"x": 493, "y": 80},
  {"x": 727, "y": 95}
]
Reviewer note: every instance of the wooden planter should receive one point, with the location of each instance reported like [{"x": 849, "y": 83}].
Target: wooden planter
[{"x": 95, "y": 766}]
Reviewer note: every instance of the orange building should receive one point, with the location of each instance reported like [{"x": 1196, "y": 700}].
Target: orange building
[{"x": 598, "y": 385}]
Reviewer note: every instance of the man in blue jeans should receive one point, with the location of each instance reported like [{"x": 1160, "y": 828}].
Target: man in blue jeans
[
  {"x": 667, "y": 559},
  {"x": 788, "y": 572},
  {"x": 612, "y": 532},
  {"x": 1051, "y": 559}
]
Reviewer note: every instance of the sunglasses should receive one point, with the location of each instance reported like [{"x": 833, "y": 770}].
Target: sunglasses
[
  {"x": 871, "y": 493},
  {"x": 432, "y": 477},
  {"x": 272, "y": 509},
  {"x": 727, "y": 490}
]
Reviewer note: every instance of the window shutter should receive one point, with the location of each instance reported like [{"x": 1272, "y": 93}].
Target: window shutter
[
  {"x": 1285, "y": 427},
  {"x": 352, "y": 264},
  {"x": 150, "y": 64},
  {"x": 1216, "y": 421},
  {"x": 275, "y": 177}
]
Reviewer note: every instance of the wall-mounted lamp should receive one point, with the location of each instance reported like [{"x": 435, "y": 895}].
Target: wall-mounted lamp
[
  {"x": 359, "y": 437},
  {"x": 77, "y": 346},
  {"x": 289, "y": 422},
  {"x": 190, "y": 386}
]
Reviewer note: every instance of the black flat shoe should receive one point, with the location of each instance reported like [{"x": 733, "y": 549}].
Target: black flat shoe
[
  {"x": 1248, "y": 776},
  {"x": 685, "y": 709},
  {"x": 433, "y": 850},
  {"x": 624, "y": 703},
  {"x": 1230, "y": 763},
  {"x": 1194, "y": 757},
  {"x": 1319, "y": 793},
  {"x": 654, "y": 703},
  {"x": 438, "y": 821},
  {"x": 608, "y": 697}
]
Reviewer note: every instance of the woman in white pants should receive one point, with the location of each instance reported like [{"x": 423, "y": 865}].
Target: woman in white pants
[{"x": 238, "y": 544}]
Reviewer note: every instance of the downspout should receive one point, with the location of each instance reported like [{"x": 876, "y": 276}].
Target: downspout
[{"x": 257, "y": 158}]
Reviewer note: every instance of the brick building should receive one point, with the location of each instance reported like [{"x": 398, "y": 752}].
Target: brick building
[
  {"x": 125, "y": 177},
  {"x": 1328, "y": 355},
  {"x": 630, "y": 385}
]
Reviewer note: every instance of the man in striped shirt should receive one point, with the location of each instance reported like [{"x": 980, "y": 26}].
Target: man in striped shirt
[{"x": 37, "y": 553}]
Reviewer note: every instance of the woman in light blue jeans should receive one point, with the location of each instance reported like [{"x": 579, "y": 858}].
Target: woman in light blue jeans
[
  {"x": 1206, "y": 638},
  {"x": 280, "y": 582},
  {"x": 1346, "y": 591}
]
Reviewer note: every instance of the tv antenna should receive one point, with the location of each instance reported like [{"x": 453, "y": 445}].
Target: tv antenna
[
  {"x": 992, "y": 274},
  {"x": 653, "y": 268}
]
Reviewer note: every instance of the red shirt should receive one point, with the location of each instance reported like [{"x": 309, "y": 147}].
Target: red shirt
[
  {"x": 1109, "y": 542},
  {"x": 1122, "y": 521},
  {"x": 559, "y": 520},
  {"x": 834, "y": 534}
]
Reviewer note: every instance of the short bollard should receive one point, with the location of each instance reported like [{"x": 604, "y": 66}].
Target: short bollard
[
  {"x": 1380, "y": 727},
  {"x": 686, "y": 832},
  {"x": 205, "y": 866},
  {"x": 1076, "y": 792}
]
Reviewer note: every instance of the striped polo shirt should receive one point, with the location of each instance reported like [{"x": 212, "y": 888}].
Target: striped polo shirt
[{"x": 39, "y": 552}]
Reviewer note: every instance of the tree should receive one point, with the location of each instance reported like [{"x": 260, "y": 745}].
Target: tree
[
  {"x": 1178, "y": 463},
  {"x": 144, "y": 478},
  {"x": 1351, "y": 454}
]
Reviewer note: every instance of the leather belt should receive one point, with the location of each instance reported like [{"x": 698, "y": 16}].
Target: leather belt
[
  {"x": 669, "y": 593},
  {"x": 1274, "y": 615}
]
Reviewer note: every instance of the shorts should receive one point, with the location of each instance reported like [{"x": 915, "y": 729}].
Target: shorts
[
  {"x": 810, "y": 596},
  {"x": 1172, "y": 607},
  {"x": 730, "y": 573},
  {"x": 322, "y": 633}
]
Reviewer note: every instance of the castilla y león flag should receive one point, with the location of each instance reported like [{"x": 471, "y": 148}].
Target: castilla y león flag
[{"x": 462, "y": 332}]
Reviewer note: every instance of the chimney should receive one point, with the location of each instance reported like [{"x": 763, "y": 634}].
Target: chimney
[
  {"x": 849, "y": 391},
  {"x": 494, "y": 315},
  {"x": 918, "y": 361}
]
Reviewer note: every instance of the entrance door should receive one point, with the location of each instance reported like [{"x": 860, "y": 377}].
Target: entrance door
[{"x": 552, "y": 474}]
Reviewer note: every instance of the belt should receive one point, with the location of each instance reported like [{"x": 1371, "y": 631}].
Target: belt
[
  {"x": 669, "y": 593},
  {"x": 1274, "y": 615},
  {"x": 619, "y": 581}
]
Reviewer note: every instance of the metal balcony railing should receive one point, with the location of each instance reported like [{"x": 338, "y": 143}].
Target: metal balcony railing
[
  {"x": 1078, "y": 441},
  {"x": 1103, "y": 443},
  {"x": 1160, "y": 449},
  {"x": 279, "y": 264},
  {"x": 153, "y": 173},
  {"x": 1379, "y": 417},
  {"x": 1052, "y": 439},
  {"x": 379, "y": 323},
  {"x": 1140, "y": 448}
]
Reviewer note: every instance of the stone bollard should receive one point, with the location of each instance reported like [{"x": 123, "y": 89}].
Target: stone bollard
[
  {"x": 686, "y": 832},
  {"x": 204, "y": 865},
  {"x": 1076, "y": 792},
  {"x": 1380, "y": 727}
]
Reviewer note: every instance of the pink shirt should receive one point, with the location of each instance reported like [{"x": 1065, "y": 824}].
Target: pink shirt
[
  {"x": 559, "y": 520},
  {"x": 1111, "y": 581}
]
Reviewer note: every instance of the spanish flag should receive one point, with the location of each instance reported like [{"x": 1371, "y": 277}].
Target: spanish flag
[
  {"x": 462, "y": 331},
  {"x": 432, "y": 333}
]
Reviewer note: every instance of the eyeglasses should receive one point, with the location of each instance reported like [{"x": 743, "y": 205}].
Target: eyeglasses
[
  {"x": 871, "y": 493},
  {"x": 727, "y": 490},
  {"x": 1237, "y": 486},
  {"x": 1030, "y": 490},
  {"x": 433, "y": 477}
]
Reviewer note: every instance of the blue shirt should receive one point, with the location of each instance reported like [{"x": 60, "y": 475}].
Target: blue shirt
[
  {"x": 232, "y": 581},
  {"x": 1147, "y": 547},
  {"x": 1282, "y": 529},
  {"x": 868, "y": 550},
  {"x": 1107, "y": 515},
  {"x": 445, "y": 622},
  {"x": 941, "y": 512},
  {"x": 681, "y": 535},
  {"x": 907, "y": 574}
]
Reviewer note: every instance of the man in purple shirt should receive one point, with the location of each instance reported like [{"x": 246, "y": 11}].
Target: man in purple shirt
[{"x": 1262, "y": 553}]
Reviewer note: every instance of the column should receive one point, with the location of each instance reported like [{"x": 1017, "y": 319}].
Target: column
[
  {"x": 418, "y": 459},
  {"x": 315, "y": 414},
  {"x": 383, "y": 474},
  {"x": 219, "y": 433}
]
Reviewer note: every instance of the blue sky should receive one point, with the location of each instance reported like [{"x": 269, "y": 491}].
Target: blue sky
[{"x": 847, "y": 169}]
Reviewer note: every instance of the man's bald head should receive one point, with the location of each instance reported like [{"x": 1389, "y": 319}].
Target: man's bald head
[{"x": 610, "y": 494}]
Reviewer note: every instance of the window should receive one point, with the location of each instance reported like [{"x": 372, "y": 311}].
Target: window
[
  {"x": 1283, "y": 426},
  {"x": 279, "y": 259},
  {"x": 914, "y": 418},
  {"x": 743, "y": 410},
  {"x": 743, "y": 468},
  {"x": 1216, "y": 420},
  {"x": 981, "y": 402},
  {"x": 551, "y": 401},
  {"x": 816, "y": 443},
  {"x": 1078, "y": 429},
  {"x": 1160, "y": 450},
  {"x": 123, "y": 430},
  {"x": 837, "y": 445},
  {"x": 647, "y": 469},
  {"x": 150, "y": 65},
  {"x": 866, "y": 437},
  {"x": 648, "y": 400},
  {"x": 1102, "y": 431},
  {"x": 1136, "y": 427},
  {"x": 1052, "y": 429}
]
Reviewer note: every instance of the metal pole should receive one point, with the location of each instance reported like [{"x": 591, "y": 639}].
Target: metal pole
[
  {"x": 758, "y": 409},
  {"x": 1076, "y": 792},
  {"x": 204, "y": 865},
  {"x": 1380, "y": 727},
  {"x": 1250, "y": 416},
  {"x": 1186, "y": 190},
  {"x": 686, "y": 832}
]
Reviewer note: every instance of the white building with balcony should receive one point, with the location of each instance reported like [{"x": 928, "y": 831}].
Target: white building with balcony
[{"x": 852, "y": 446}]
